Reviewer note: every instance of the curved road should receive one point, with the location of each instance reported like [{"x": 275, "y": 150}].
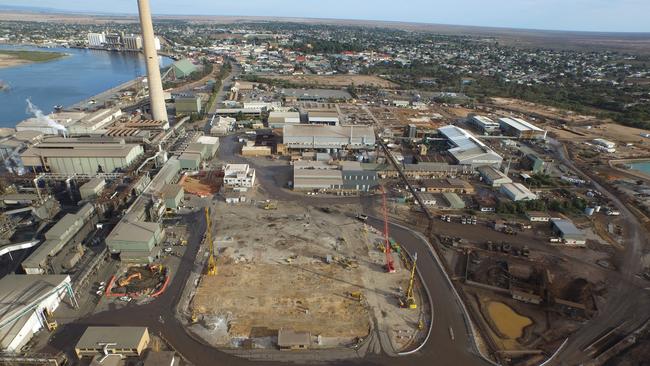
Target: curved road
[{"x": 160, "y": 315}]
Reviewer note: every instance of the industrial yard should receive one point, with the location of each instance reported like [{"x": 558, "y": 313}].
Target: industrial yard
[{"x": 295, "y": 271}]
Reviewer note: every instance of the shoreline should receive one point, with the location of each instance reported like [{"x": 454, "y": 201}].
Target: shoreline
[
  {"x": 633, "y": 172},
  {"x": 15, "y": 58}
]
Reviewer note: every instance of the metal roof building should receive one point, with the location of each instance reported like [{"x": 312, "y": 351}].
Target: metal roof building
[
  {"x": 493, "y": 177},
  {"x": 92, "y": 188},
  {"x": 280, "y": 119},
  {"x": 468, "y": 150},
  {"x": 518, "y": 192},
  {"x": 328, "y": 137},
  {"x": 568, "y": 231},
  {"x": 24, "y": 300},
  {"x": 484, "y": 124},
  {"x": 454, "y": 200},
  {"x": 125, "y": 341},
  {"x": 81, "y": 156},
  {"x": 521, "y": 128}
]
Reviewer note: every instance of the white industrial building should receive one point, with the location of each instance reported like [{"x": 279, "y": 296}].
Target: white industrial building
[
  {"x": 239, "y": 176},
  {"x": 484, "y": 124},
  {"x": 518, "y": 192},
  {"x": 220, "y": 126},
  {"x": 25, "y": 306},
  {"x": 280, "y": 119},
  {"x": 328, "y": 137},
  {"x": 605, "y": 145},
  {"x": 323, "y": 118},
  {"x": 521, "y": 128},
  {"x": 262, "y": 105},
  {"x": 96, "y": 39},
  {"x": 569, "y": 233},
  {"x": 467, "y": 149}
]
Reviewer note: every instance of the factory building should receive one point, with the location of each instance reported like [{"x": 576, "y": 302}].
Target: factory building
[
  {"x": 190, "y": 160},
  {"x": 26, "y": 305},
  {"x": 220, "y": 126},
  {"x": 94, "y": 122},
  {"x": 328, "y": 137},
  {"x": 520, "y": 128},
  {"x": 136, "y": 241},
  {"x": 81, "y": 156},
  {"x": 239, "y": 176},
  {"x": 188, "y": 104},
  {"x": 435, "y": 169},
  {"x": 493, "y": 177},
  {"x": 317, "y": 179},
  {"x": 467, "y": 149},
  {"x": 181, "y": 69},
  {"x": 280, "y": 119},
  {"x": 133, "y": 42},
  {"x": 123, "y": 341},
  {"x": 211, "y": 143},
  {"x": 569, "y": 233},
  {"x": 68, "y": 233},
  {"x": 92, "y": 188},
  {"x": 323, "y": 118},
  {"x": 355, "y": 178},
  {"x": 484, "y": 124},
  {"x": 454, "y": 201},
  {"x": 534, "y": 163},
  {"x": 517, "y": 192},
  {"x": 173, "y": 195}
]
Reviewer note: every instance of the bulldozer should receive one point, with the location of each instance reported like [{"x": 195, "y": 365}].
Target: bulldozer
[{"x": 125, "y": 281}]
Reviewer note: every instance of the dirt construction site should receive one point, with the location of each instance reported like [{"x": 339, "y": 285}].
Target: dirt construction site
[{"x": 309, "y": 269}]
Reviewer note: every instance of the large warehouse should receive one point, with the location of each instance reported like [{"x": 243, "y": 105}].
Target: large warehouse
[
  {"x": 81, "y": 156},
  {"x": 136, "y": 241},
  {"x": 328, "y": 137},
  {"x": 520, "y": 128},
  {"x": 25, "y": 305},
  {"x": 468, "y": 150}
]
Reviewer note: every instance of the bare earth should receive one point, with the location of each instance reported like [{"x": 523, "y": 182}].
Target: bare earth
[
  {"x": 267, "y": 297},
  {"x": 10, "y": 61},
  {"x": 335, "y": 80}
]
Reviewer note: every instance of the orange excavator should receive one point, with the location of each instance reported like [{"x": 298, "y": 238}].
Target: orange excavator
[{"x": 125, "y": 281}]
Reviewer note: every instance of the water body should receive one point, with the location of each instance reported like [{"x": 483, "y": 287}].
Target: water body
[
  {"x": 643, "y": 167},
  {"x": 65, "y": 81}
]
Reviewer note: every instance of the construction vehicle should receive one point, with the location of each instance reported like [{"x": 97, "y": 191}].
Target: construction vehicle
[
  {"x": 408, "y": 301},
  {"x": 125, "y": 281},
  {"x": 211, "y": 269},
  {"x": 270, "y": 205},
  {"x": 356, "y": 295},
  {"x": 390, "y": 266},
  {"x": 48, "y": 317}
]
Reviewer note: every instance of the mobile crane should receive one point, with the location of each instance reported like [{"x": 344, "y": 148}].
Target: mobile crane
[
  {"x": 211, "y": 270},
  {"x": 408, "y": 301}
]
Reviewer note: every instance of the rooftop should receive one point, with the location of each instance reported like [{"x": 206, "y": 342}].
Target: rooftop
[
  {"x": 134, "y": 231},
  {"x": 20, "y": 291},
  {"x": 519, "y": 124},
  {"x": 566, "y": 227},
  {"x": 123, "y": 337}
]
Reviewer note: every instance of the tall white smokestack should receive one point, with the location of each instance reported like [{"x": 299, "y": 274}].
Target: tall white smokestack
[{"x": 158, "y": 109}]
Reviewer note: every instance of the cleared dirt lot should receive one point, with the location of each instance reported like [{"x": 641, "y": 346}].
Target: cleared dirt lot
[
  {"x": 334, "y": 80},
  {"x": 299, "y": 267}
]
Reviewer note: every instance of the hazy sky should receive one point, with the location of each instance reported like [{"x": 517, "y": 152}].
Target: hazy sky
[{"x": 588, "y": 15}]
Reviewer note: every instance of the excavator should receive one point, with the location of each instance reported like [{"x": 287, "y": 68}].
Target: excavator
[{"x": 125, "y": 281}]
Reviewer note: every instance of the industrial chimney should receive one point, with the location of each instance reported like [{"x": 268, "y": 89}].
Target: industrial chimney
[{"x": 158, "y": 109}]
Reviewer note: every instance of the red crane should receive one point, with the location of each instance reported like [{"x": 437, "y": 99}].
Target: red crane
[{"x": 390, "y": 266}]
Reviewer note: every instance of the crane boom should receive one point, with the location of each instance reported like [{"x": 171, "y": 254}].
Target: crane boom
[
  {"x": 212, "y": 263},
  {"x": 390, "y": 266}
]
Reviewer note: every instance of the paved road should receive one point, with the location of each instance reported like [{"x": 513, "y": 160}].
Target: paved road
[
  {"x": 225, "y": 87},
  {"x": 159, "y": 315},
  {"x": 627, "y": 301}
]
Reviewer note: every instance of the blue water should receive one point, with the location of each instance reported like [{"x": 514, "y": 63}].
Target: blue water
[
  {"x": 65, "y": 81},
  {"x": 642, "y": 167}
]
